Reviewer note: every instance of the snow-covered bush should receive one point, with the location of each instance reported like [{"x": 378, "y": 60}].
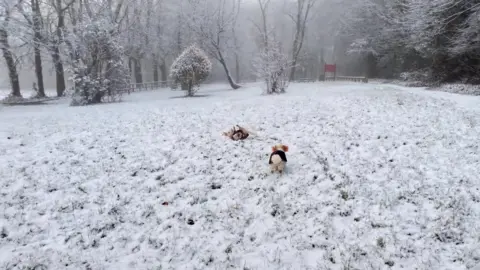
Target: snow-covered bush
[
  {"x": 420, "y": 75},
  {"x": 98, "y": 70},
  {"x": 272, "y": 65},
  {"x": 190, "y": 69},
  {"x": 398, "y": 36}
]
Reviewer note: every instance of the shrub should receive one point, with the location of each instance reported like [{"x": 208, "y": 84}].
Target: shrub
[
  {"x": 272, "y": 66},
  {"x": 190, "y": 69},
  {"x": 98, "y": 71}
]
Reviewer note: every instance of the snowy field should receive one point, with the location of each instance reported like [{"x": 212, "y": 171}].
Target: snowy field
[{"x": 379, "y": 177}]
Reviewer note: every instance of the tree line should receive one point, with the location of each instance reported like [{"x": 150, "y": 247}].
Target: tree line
[
  {"x": 106, "y": 44},
  {"x": 431, "y": 41}
]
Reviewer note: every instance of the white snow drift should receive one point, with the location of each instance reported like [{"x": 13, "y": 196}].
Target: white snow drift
[{"x": 378, "y": 178}]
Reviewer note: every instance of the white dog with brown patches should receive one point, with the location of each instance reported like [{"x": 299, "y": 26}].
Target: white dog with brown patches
[{"x": 278, "y": 159}]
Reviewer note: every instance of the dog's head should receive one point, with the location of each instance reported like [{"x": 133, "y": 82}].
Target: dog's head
[{"x": 282, "y": 147}]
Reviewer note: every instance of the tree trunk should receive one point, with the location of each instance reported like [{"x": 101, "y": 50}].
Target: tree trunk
[
  {"x": 293, "y": 70},
  {"x": 57, "y": 60},
  {"x": 137, "y": 66},
  {"x": 59, "y": 71},
  {"x": 303, "y": 10},
  {"x": 37, "y": 38},
  {"x": 190, "y": 88},
  {"x": 237, "y": 68},
  {"x": 229, "y": 77},
  {"x": 130, "y": 60},
  {"x": 97, "y": 98},
  {"x": 371, "y": 66},
  {"x": 39, "y": 72},
  {"x": 321, "y": 72},
  {"x": 163, "y": 69},
  {"x": 130, "y": 71},
  {"x": 12, "y": 68},
  {"x": 155, "y": 71},
  {"x": 184, "y": 87},
  {"x": 237, "y": 58},
  {"x": 227, "y": 71}
]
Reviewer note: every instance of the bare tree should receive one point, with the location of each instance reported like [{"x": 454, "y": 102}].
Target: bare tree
[
  {"x": 5, "y": 14},
  {"x": 263, "y": 28},
  {"x": 300, "y": 19},
  {"x": 165, "y": 38},
  {"x": 138, "y": 51},
  {"x": 213, "y": 21},
  {"x": 236, "y": 52},
  {"x": 34, "y": 20},
  {"x": 56, "y": 39},
  {"x": 271, "y": 64}
]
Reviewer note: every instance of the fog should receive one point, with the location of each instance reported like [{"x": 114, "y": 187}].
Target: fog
[{"x": 372, "y": 38}]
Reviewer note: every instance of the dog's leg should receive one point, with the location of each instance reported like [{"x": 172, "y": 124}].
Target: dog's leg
[
  {"x": 272, "y": 168},
  {"x": 281, "y": 167}
]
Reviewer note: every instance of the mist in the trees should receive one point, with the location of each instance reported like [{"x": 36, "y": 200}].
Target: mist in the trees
[{"x": 427, "y": 41}]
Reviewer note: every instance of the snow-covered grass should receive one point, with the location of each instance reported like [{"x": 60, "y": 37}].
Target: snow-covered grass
[
  {"x": 379, "y": 177},
  {"x": 27, "y": 93},
  {"x": 456, "y": 88},
  {"x": 464, "y": 89}
]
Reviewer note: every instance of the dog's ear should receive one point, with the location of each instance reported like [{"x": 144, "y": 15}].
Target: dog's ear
[
  {"x": 274, "y": 149},
  {"x": 285, "y": 148}
]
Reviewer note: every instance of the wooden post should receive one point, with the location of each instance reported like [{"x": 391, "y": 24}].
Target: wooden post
[
  {"x": 335, "y": 72},
  {"x": 324, "y": 72}
]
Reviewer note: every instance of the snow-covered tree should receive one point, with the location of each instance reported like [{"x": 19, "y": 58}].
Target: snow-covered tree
[
  {"x": 190, "y": 69},
  {"x": 436, "y": 40},
  {"x": 6, "y": 10},
  {"x": 272, "y": 66},
  {"x": 433, "y": 40},
  {"x": 446, "y": 33},
  {"x": 98, "y": 71},
  {"x": 375, "y": 31},
  {"x": 468, "y": 35}
]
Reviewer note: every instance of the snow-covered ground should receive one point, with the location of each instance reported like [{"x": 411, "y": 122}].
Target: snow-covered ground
[
  {"x": 27, "y": 93},
  {"x": 456, "y": 88},
  {"x": 379, "y": 177},
  {"x": 464, "y": 89}
]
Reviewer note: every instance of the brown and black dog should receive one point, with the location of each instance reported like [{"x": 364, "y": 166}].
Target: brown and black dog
[{"x": 278, "y": 159}]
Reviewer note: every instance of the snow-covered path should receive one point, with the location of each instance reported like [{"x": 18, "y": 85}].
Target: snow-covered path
[{"x": 379, "y": 177}]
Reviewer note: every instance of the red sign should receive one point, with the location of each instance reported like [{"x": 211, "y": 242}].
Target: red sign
[{"x": 330, "y": 68}]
